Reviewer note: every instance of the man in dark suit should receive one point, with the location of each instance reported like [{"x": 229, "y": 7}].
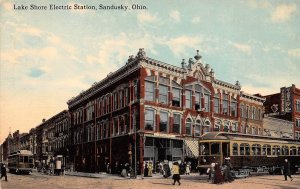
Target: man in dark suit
[
  {"x": 287, "y": 170},
  {"x": 3, "y": 172}
]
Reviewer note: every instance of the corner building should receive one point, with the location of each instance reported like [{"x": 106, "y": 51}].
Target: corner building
[{"x": 149, "y": 110}]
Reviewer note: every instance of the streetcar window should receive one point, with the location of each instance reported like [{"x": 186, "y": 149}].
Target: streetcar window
[
  {"x": 21, "y": 159},
  {"x": 256, "y": 149},
  {"x": 298, "y": 151},
  {"x": 276, "y": 150},
  {"x": 293, "y": 150},
  {"x": 244, "y": 149},
  {"x": 285, "y": 150},
  {"x": 266, "y": 149},
  {"x": 25, "y": 159},
  {"x": 204, "y": 148},
  {"x": 235, "y": 147},
  {"x": 215, "y": 148},
  {"x": 30, "y": 160}
]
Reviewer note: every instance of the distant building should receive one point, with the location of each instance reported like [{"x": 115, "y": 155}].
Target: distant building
[{"x": 286, "y": 106}]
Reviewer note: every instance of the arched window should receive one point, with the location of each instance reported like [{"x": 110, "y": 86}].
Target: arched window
[
  {"x": 244, "y": 149},
  {"x": 198, "y": 128},
  {"x": 235, "y": 148},
  {"x": 285, "y": 150},
  {"x": 188, "y": 126},
  {"x": 218, "y": 124},
  {"x": 256, "y": 149},
  {"x": 227, "y": 126},
  {"x": 293, "y": 151},
  {"x": 266, "y": 149},
  {"x": 206, "y": 126},
  {"x": 276, "y": 150}
]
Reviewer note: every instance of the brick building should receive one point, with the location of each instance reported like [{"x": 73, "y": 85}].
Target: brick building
[
  {"x": 285, "y": 105},
  {"x": 149, "y": 110}
]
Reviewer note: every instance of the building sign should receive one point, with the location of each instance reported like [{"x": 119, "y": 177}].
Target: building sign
[{"x": 286, "y": 99}]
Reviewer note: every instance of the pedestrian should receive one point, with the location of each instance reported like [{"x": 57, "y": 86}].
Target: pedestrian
[
  {"x": 150, "y": 169},
  {"x": 146, "y": 170},
  {"x": 175, "y": 171},
  {"x": 211, "y": 172},
  {"x": 287, "y": 170},
  {"x": 218, "y": 177},
  {"x": 3, "y": 172},
  {"x": 188, "y": 168},
  {"x": 166, "y": 169},
  {"x": 227, "y": 174}
]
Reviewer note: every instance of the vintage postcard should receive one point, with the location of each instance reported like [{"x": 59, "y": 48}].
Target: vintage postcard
[{"x": 146, "y": 94}]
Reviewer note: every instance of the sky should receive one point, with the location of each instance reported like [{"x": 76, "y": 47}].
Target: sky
[{"x": 49, "y": 56}]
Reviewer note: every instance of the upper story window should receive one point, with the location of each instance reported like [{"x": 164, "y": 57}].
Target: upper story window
[
  {"x": 217, "y": 103},
  {"x": 259, "y": 114},
  {"x": 176, "y": 91},
  {"x": 253, "y": 113},
  {"x": 233, "y": 107},
  {"x": 297, "y": 122},
  {"x": 135, "y": 90},
  {"x": 177, "y": 123},
  {"x": 234, "y": 127},
  {"x": 188, "y": 126},
  {"x": 198, "y": 97},
  {"x": 163, "y": 94},
  {"x": 149, "y": 119},
  {"x": 164, "y": 122},
  {"x": 206, "y": 100},
  {"x": 127, "y": 96},
  {"x": 225, "y": 104},
  {"x": 188, "y": 99},
  {"x": 115, "y": 101},
  {"x": 247, "y": 112},
  {"x": 242, "y": 110},
  {"x": 298, "y": 105},
  {"x": 150, "y": 88},
  {"x": 198, "y": 128},
  {"x": 121, "y": 99}
]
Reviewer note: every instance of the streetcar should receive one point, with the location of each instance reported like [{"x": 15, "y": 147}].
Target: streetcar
[
  {"x": 252, "y": 152},
  {"x": 20, "y": 162}
]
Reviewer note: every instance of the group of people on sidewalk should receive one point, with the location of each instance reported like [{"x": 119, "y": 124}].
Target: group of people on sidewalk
[{"x": 215, "y": 172}]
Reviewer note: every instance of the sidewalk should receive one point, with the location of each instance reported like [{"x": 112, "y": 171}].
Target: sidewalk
[{"x": 106, "y": 175}]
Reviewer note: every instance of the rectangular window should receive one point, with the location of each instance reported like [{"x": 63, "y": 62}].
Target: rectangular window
[
  {"x": 176, "y": 97},
  {"x": 298, "y": 122},
  {"x": 115, "y": 101},
  {"x": 135, "y": 90},
  {"x": 216, "y": 105},
  {"x": 149, "y": 119},
  {"x": 116, "y": 127},
  {"x": 149, "y": 91},
  {"x": 298, "y": 105},
  {"x": 176, "y": 123},
  {"x": 253, "y": 112},
  {"x": 207, "y": 102},
  {"x": 121, "y": 101},
  {"x": 233, "y": 108},
  {"x": 188, "y": 99},
  {"x": 163, "y": 94},
  {"x": 197, "y": 101},
  {"x": 127, "y": 96},
  {"x": 164, "y": 123},
  {"x": 225, "y": 104}
]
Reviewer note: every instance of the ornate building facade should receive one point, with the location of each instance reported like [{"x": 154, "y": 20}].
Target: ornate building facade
[{"x": 149, "y": 110}]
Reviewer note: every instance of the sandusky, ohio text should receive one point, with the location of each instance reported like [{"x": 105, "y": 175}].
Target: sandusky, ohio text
[{"x": 79, "y": 7}]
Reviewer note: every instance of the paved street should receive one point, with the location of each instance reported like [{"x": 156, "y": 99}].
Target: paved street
[{"x": 37, "y": 181}]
